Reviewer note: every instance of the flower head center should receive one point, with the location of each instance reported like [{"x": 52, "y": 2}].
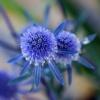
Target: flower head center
[
  {"x": 37, "y": 43},
  {"x": 68, "y": 44}
]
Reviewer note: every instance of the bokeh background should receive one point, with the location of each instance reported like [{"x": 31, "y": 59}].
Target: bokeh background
[{"x": 86, "y": 83}]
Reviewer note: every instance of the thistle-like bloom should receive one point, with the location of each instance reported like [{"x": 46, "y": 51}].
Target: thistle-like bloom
[
  {"x": 69, "y": 49},
  {"x": 9, "y": 91},
  {"x": 38, "y": 46},
  {"x": 69, "y": 46}
]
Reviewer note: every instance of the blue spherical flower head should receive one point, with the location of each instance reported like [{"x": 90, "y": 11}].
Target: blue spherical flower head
[
  {"x": 69, "y": 46},
  {"x": 37, "y": 44},
  {"x": 69, "y": 49},
  {"x": 7, "y": 91}
]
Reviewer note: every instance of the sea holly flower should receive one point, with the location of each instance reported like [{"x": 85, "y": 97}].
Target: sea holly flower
[
  {"x": 69, "y": 49},
  {"x": 38, "y": 45},
  {"x": 69, "y": 46},
  {"x": 9, "y": 91}
]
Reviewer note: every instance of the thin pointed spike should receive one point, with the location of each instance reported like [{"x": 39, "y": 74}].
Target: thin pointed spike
[
  {"x": 37, "y": 76},
  {"x": 50, "y": 93},
  {"x": 60, "y": 28},
  {"x": 55, "y": 71},
  {"x": 88, "y": 39},
  {"x": 15, "y": 59},
  {"x": 86, "y": 62},
  {"x": 67, "y": 52},
  {"x": 25, "y": 67},
  {"x": 8, "y": 46},
  {"x": 7, "y": 20},
  {"x": 46, "y": 15},
  {"x": 19, "y": 79},
  {"x": 80, "y": 20},
  {"x": 69, "y": 73}
]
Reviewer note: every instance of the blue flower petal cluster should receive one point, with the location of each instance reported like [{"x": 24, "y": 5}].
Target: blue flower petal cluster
[{"x": 69, "y": 46}]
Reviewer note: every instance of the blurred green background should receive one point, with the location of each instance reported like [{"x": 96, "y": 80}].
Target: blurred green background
[{"x": 86, "y": 83}]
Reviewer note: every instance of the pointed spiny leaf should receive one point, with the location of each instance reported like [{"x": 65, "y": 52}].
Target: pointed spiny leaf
[
  {"x": 19, "y": 79},
  {"x": 69, "y": 73},
  {"x": 56, "y": 72},
  {"x": 15, "y": 59},
  {"x": 80, "y": 20},
  {"x": 37, "y": 75},
  {"x": 67, "y": 52},
  {"x": 25, "y": 67},
  {"x": 8, "y": 46},
  {"x": 86, "y": 62},
  {"x": 46, "y": 15},
  {"x": 88, "y": 39},
  {"x": 60, "y": 28}
]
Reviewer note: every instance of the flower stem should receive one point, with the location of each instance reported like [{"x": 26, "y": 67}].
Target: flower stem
[
  {"x": 8, "y": 46},
  {"x": 49, "y": 91},
  {"x": 7, "y": 20}
]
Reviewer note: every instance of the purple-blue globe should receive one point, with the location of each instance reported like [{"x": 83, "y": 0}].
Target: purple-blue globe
[
  {"x": 37, "y": 44},
  {"x": 68, "y": 45}
]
